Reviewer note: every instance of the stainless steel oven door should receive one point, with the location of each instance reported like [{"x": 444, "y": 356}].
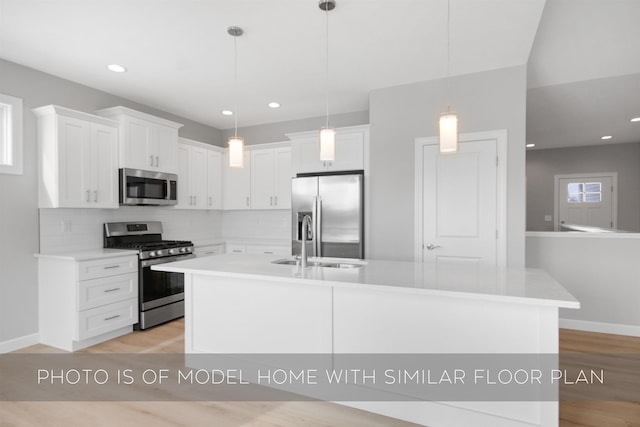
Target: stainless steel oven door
[{"x": 158, "y": 288}]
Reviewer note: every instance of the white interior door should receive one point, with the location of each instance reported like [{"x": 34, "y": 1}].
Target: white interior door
[
  {"x": 459, "y": 203},
  {"x": 587, "y": 199}
]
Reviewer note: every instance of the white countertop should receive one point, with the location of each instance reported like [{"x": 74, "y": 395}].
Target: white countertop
[
  {"x": 88, "y": 254},
  {"x": 520, "y": 285}
]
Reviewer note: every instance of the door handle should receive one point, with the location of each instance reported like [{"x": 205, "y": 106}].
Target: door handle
[
  {"x": 157, "y": 161},
  {"x": 95, "y": 196},
  {"x": 150, "y": 160},
  {"x": 431, "y": 247}
]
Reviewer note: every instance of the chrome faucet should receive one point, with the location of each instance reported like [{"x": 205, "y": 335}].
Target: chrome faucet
[{"x": 306, "y": 223}]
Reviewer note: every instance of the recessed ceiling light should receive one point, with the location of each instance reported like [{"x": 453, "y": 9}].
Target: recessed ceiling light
[
  {"x": 530, "y": 145},
  {"x": 116, "y": 68},
  {"x": 227, "y": 112},
  {"x": 606, "y": 137},
  {"x": 274, "y": 105},
  {"x": 636, "y": 119}
]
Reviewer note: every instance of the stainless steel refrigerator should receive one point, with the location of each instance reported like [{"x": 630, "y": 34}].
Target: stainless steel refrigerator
[{"x": 336, "y": 206}]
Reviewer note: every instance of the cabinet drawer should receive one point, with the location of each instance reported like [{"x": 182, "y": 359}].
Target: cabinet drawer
[
  {"x": 265, "y": 249},
  {"x": 107, "y": 267},
  {"x": 107, "y": 290},
  {"x": 209, "y": 250},
  {"x": 236, "y": 249},
  {"x": 100, "y": 320}
]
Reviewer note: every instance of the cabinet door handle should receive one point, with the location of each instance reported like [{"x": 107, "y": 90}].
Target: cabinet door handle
[
  {"x": 109, "y": 267},
  {"x": 247, "y": 201},
  {"x": 276, "y": 200},
  {"x": 195, "y": 200},
  {"x": 95, "y": 196},
  {"x": 88, "y": 193},
  {"x": 157, "y": 161},
  {"x": 111, "y": 317},
  {"x": 111, "y": 290},
  {"x": 150, "y": 160},
  {"x": 210, "y": 201},
  {"x": 270, "y": 200}
]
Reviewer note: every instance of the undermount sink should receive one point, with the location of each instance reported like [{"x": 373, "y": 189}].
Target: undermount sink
[{"x": 327, "y": 264}]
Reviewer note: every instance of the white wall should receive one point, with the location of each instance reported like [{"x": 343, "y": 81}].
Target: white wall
[
  {"x": 602, "y": 272},
  {"x": 484, "y": 101},
  {"x": 19, "y": 194},
  {"x": 276, "y": 132}
]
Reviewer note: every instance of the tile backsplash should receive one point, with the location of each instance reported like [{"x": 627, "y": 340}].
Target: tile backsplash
[{"x": 80, "y": 229}]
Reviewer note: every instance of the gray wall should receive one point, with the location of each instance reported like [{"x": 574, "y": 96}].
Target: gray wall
[
  {"x": 484, "y": 101},
  {"x": 276, "y": 132},
  {"x": 19, "y": 194},
  {"x": 542, "y": 165}
]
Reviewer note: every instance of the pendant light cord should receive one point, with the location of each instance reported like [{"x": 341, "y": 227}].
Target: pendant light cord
[
  {"x": 327, "y": 63},
  {"x": 235, "y": 87},
  {"x": 449, "y": 51}
]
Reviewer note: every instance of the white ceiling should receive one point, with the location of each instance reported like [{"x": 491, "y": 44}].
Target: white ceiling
[
  {"x": 583, "y": 74},
  {"x": 180, "y": 57}
]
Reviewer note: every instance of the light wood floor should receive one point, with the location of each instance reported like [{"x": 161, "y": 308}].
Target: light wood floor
[
  {"x": 598, "y": 414},
  {"x": 169, "y": 338}
]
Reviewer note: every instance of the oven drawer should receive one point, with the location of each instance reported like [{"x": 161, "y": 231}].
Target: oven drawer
[
  {"x": 97, "y": 268},
  {"x": 100, "y": 320},
  {"x": 107, "y": 290}
]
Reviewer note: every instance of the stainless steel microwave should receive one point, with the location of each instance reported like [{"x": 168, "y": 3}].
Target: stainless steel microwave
[{"x": 140, "y": 187}]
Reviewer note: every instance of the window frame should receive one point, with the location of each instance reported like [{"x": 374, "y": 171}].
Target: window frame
[{"x": 11, "y": 140}]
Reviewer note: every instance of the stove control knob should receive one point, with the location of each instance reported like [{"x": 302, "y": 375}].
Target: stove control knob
[
  {"x": 189, "y": 249},
  {"x": 172, "y": 251},
  {"x": 159, "y": 253},
  {"x": 183, "y": 250},
  {"x": 152, "y": 253}
]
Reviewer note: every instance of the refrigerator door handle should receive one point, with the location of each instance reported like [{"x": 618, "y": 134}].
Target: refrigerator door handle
[{"x": 318, "y": 230}]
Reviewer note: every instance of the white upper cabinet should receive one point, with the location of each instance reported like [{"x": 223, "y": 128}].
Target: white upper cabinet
[
  {"x": 351, "y": 143},
  {"x": 237, "y": 184},
  {"x": 283, "y": 175},
  {"x": 78, "y": 159},
  {"x": 214, "y": 179},
  {"x": 146, "y": 142},
  {"x": 262, "y": 179},
  {"x": 199, "y": 176},
  {"x": 263, "y": 183}
]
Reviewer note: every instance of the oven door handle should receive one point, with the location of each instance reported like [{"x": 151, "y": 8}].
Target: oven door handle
[{"x": 150, "y": 262}]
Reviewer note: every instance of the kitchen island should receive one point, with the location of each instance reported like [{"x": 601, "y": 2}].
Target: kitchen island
[{"x": 248, "y": 304}]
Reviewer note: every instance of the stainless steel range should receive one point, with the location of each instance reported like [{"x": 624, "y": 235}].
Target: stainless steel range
[{"x": 161, "y": 294}]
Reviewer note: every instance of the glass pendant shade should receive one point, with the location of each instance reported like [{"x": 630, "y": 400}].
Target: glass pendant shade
[
  {"x": 236, "y": 152},
  {"x": 449, "y": 132},
  {"x": 327, "y": 145}
]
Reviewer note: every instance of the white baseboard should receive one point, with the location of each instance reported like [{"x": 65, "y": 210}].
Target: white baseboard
[
  {"x": 605, "y": 328},
  {"x": 19, "y": 343}
]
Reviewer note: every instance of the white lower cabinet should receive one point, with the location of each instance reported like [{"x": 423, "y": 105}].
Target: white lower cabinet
[
  {"x": 82, "y": 303},
  {"x": 236, "y": 248},
  {"x": 209, "y": 250}
]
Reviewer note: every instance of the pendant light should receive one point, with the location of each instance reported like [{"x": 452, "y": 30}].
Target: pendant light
[
  {"x": 327, "y": 134},
  {"x": 448, "y": 119},
  {"x": 236, "y": 143}
]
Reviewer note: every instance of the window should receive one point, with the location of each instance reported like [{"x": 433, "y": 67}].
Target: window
[
  {"x": 584, "y": 192},
  {"x": 10, "y": 135}
]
